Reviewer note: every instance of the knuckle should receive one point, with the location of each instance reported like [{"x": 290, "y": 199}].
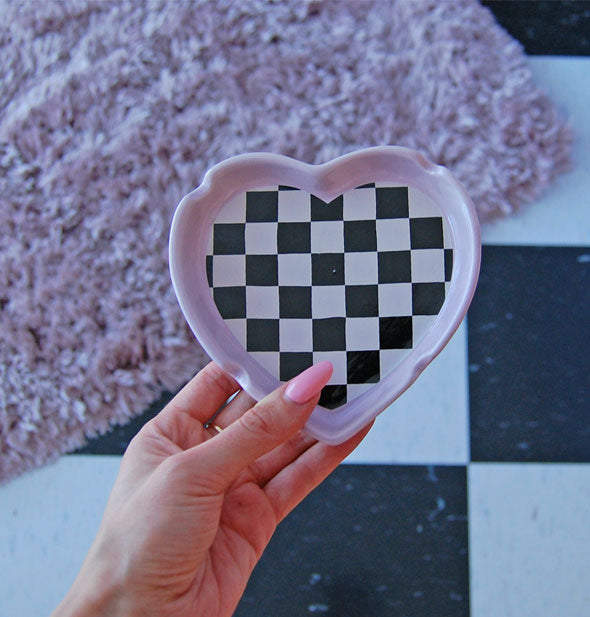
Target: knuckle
[
  {"x": 173, "y": 470},
  {"x": 259, "y": 421},
  {"x": 172, "y": 467}
]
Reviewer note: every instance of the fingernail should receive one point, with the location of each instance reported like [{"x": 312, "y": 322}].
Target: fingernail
[{"x": 309, "y": 383}]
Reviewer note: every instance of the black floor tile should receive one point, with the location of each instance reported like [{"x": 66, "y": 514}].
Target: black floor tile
[
  {"x": 372, "y": 541},
  {"x": 117, "y": 440},
  {"x": 529, "y": 355},
  {"x": 547, "y": 27}
]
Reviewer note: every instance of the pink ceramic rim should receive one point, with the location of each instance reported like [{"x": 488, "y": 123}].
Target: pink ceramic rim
[{"x": 191, "y": 227}]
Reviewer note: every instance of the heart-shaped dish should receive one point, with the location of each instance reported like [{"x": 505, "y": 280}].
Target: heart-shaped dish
[{"x": 244, "y": 200}]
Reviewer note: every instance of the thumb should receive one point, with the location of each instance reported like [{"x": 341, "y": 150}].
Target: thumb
[{"x": 272, "y": 421}]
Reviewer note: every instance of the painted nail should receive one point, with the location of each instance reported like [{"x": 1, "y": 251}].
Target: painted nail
[{"x": 309, "y": 383}]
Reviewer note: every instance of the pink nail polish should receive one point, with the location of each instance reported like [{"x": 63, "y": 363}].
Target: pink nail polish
[{"x": 309, "y": 383}]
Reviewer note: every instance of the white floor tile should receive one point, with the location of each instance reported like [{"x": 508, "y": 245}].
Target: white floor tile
[
  {"x": 48, "y": 519},
  {"x": 429, "y": 422},
  {"x": 562, "y": 215},
  {"x": 529, "y": 528}
]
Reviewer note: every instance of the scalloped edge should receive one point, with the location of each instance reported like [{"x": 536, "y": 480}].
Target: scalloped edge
[{"x": 196, "y": 213}]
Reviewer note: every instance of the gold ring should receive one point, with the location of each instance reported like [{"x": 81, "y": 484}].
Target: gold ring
[{"x": 211, "y": 425}]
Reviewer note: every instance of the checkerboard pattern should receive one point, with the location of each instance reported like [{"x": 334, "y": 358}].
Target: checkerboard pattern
[{"x": 357, "y": 281}]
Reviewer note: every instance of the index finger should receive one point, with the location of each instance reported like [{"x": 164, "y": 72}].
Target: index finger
[{"x": 272, "y": 421}]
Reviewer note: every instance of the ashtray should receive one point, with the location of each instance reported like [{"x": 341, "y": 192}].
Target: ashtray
[{"x": 369, "y": 261}]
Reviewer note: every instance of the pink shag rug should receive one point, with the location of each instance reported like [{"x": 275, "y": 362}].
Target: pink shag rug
[{"x": 111, "y": 111}]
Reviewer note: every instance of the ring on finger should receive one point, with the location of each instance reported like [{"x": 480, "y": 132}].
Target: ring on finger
[
  {"x": 234, "y": 409},
  {"x": 212, "y": 425}
]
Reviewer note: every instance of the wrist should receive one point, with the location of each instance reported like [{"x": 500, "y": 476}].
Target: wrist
[
  {"x": 83, "y": 601},
  {"x": 92, "y": 597},
  {"x": 96, "y": 592}
]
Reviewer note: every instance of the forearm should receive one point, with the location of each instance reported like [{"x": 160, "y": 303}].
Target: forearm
[
  {"x": 96, "y": 592},
  {"x": 82, "y": 600}
]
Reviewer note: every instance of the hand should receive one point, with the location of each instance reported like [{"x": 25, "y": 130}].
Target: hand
[{"x": 192, "y": 510}]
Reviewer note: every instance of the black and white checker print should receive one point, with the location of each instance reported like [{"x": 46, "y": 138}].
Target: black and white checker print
[{"x": 357, "y": 281}]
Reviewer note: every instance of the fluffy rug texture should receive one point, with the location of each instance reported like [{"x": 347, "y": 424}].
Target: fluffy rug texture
[{"x": 111, "y": 111}]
